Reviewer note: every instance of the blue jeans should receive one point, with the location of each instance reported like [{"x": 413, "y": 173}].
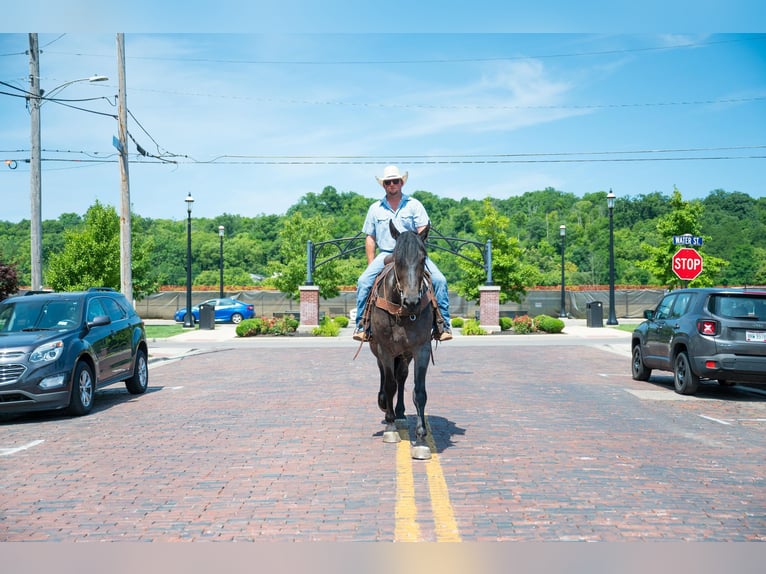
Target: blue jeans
[{"x": 367, "y": 279}]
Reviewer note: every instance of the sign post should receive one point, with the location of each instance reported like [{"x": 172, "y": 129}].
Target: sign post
[{"x": 687, "y": 264}]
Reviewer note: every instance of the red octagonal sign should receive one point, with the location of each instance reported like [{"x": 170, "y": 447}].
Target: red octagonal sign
[{"x": 687, "y": 264}]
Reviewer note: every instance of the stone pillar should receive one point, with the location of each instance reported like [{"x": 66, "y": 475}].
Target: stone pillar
[
  {"x": 489, "y": 308},
  {"x": 309, "y": 307}
]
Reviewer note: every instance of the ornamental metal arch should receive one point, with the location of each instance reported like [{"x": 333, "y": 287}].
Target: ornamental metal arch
[{"x": 347, "y": 245}]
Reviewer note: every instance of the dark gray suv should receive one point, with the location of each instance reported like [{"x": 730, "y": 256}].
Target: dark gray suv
[
  {"x": 717, "y": 334},
  {"x": 56, "y": 349}
]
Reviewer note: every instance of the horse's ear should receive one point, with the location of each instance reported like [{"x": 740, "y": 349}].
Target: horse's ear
[
  {"x": 394, "y": 231},
  {"x": 424, "y": 233}
]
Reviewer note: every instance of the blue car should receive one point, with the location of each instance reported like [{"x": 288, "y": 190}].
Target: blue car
[{"x": 227, "y": 310}]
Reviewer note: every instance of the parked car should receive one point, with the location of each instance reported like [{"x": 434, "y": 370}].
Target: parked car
[
  {"x": 227, "y": 310},
  {"x": 704, "y": 333},
  {"x": 56, "y": 349}
]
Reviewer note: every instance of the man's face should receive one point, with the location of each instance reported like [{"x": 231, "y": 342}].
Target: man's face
[{"x": 393, "y": 186}]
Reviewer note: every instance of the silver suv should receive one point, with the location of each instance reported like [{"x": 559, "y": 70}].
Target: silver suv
[{"x": 717, "y": 334}]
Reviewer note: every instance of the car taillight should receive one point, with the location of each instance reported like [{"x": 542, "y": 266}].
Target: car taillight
[
  {"x": 707, "y": 327},
  {"x": 250, "y": 308}
]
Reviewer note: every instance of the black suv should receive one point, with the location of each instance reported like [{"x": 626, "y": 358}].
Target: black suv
[
  {"x": 56, "y": 349},
  {"x": 708, "y": 333}
]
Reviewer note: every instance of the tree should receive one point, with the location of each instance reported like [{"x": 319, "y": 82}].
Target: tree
[
  {"x": 91, "y": 256},
  {"x": 9, "y": 281},
  {"x": 684, "y": 218},
  {"x": 289, "y": 273},
  {"x": 508, "y": 269}
]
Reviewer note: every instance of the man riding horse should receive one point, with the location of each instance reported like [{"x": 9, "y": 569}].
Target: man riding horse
[{"x": 408, "y": 214}]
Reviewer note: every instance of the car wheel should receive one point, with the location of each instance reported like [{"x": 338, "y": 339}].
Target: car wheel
[
  {"x": 83, "y": 388},
  {"x": 640, "y": 371},
  {"x": 236, "y": 318},
  {"x": 138, "y": 383},
  {"x": 684, "y": 379}
]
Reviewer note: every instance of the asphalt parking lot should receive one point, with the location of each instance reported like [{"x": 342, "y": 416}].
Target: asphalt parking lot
[{"x": 535, "y": 438}]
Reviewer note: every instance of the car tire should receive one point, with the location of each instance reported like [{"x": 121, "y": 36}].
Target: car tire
[
  {"x": 138, "y": 383},
  {"x": 684, "y": 379},
  {"x": 639, "y": 370},
  {"x": 83, "y": 389},
  {"x": 236, "y": 318}
]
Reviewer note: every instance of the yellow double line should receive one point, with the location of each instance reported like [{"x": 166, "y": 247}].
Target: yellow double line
[{"x": 407, "y": 528}]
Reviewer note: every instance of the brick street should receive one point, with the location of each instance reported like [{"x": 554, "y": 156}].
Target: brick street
[{"x": 274, "y": 442}]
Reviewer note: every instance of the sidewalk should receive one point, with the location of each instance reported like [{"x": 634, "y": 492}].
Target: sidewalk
[{"x": 190, "y": 340}]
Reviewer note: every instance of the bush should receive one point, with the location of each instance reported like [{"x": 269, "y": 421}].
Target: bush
[
  {"x": 267, "y": 326},
  {"x": 523, "y": 325},
  {"x": 457, "y": 322},
  {"x": 548, "y": 324},
  {"x": 341, "y": 320},
  {"x": 249, "y": 327},
  {"x": 327, "y": 328},
  {"x": 471, "y": 327},
  {"x": 506, "y": 323}
]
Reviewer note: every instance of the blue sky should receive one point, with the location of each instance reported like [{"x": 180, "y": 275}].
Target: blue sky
[{"x": 249, "y": 118}]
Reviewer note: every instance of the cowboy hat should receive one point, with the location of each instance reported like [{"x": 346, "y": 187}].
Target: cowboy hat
[{"x": 392, "y": 172}]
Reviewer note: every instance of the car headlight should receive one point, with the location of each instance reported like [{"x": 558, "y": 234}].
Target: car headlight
[{"x": 47, "y": 352}]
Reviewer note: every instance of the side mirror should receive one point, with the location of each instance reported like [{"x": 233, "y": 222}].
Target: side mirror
[
  {"x": 649, "y": 314},
  {"x": 99, "y": 321}
]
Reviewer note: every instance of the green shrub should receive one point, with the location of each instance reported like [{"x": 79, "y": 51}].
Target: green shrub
[
  {"x": 249, "y": 328},
  {"x": 548, "y": 324},
  {"x": 523, "y": 324},
  {"x": 267, "y": 326},
  {"x": 457, "y": 322},
  {"x": 341, "y": 320},
  {"x": 327, "y": 328},
  {"x": 506, "y": 323},
  {"x": 471, "y": 327}
]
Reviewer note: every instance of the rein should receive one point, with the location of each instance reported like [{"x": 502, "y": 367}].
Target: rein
[{"x": 396, "y": 309}]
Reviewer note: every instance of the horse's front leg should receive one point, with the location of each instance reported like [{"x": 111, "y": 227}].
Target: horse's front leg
[
  {"x": 402, "y": 370},
  {"x": 421, "y": 450},
  {"x": 388, "y": 386}
]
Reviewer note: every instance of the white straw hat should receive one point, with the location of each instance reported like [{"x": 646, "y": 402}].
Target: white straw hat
[{"x": 391, "y": 172}]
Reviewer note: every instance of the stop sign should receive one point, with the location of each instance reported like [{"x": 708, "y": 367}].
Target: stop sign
[{"x": 687, "y": 263}]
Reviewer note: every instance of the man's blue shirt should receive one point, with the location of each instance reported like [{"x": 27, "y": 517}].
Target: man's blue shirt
[{"x": 410, "y": 216}]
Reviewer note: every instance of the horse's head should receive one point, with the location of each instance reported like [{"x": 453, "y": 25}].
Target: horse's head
[{"x": 409, "y": 265}]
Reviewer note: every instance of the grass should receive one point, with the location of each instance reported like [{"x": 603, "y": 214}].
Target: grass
[
  {"x": 629, "y": 327},
  {"x": 163, "y": 331}
]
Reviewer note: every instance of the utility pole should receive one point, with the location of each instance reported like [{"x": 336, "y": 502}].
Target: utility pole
[
  {"x": 126, "y": 273},
  {"x": 35, "y": 185}
]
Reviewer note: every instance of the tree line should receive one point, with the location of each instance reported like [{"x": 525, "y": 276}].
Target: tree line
[{"x": 270, "y": 250}]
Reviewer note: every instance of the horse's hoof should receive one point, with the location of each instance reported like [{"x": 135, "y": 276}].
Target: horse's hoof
[
  {"x": 391, "y": 436},
  {"x": 421, "y": 452}
]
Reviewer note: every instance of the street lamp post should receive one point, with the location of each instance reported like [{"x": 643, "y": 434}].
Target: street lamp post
[
  {"x": 188, "y": 317},
  {"x": 612, "y": 320},
  {"x": 563, "y": 234},
  {"x": 220, "y": 259},
  {"x": 36, "y": 100}
]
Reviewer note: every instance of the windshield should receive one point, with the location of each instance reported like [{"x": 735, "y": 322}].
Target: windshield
[{"x": 39, "y": 314}]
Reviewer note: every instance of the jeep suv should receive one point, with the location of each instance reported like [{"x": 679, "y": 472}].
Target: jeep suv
[
  {"x": 703, "y": 333},
  {"x": 56, "y": 349}
]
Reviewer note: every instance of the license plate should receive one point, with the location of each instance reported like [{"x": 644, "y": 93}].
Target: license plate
[{"x": 756, "y": 336}]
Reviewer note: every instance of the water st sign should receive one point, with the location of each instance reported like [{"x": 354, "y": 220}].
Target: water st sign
[
  {"x": 687, "y": 239},
  {"x": 687, "y": 264}
]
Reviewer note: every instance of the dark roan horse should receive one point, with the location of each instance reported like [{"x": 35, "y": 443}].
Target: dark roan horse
[{"x": 401, "y": 318}]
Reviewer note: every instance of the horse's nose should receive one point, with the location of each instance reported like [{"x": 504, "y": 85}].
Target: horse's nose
[{"x": 411, "y": 302}]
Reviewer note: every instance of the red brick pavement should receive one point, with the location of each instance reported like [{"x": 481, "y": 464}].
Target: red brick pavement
[{"x": 278, "y": 444}]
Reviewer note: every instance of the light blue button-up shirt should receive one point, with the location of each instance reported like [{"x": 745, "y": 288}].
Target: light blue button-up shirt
[{"x": 410, "y": 216}]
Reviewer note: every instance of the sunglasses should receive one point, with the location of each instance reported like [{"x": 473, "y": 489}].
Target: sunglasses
[{"x": 392, "y": 181}]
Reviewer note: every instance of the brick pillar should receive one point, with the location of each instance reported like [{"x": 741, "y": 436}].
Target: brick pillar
[
  {"x": 309, "y": 307},
  {"x": 489, "y": 308}
]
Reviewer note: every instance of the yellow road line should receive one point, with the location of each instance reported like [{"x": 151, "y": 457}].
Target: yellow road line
[
  {"x": 407, "y": 528},
  {"x": 406, "y": 512}
]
